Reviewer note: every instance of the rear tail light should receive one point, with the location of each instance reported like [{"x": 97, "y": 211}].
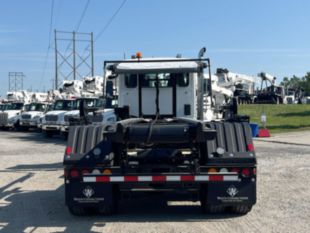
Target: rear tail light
[
  {"x": 68, "y": 150},
  {"x": 246, "y": 172},
  {"x": 254, "y": 171},
  {"x": 74, "y": 173},
  {"x": 250, "y": 147}
]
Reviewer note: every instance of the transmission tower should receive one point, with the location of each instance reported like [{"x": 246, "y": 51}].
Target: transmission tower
[
  {"x": 16, "y": 81},
  {"x": 74, "y": 56}
]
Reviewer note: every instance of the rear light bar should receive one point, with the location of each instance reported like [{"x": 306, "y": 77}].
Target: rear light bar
[{"x": 160, "y": 178}]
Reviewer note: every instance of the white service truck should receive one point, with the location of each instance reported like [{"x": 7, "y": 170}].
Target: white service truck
[
  {"x": 31, "y": 116},
  {"x": 96, "y": 117},
  {"x": 52, "y": 121},
  {"x": 241, "y": 85},
  {"x": 10, "y": 117}
]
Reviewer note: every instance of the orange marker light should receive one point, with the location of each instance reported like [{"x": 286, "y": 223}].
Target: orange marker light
[
  {"x": 210, "y": 170},
  {"x": 107, "y": 172},
  {"x": 138, "y": 55}
]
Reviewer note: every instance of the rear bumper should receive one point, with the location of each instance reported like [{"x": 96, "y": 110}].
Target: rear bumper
[{"x": 221, "y": 189}]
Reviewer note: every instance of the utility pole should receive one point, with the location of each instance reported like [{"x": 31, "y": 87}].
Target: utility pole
[
  {"x": 16, "y": 81},
  {"x": 74, "y": 56},
  {"x": 56, "y": 63}
]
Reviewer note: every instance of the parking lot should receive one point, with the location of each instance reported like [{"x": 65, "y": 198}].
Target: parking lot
[{"x": 32, "y": 194}]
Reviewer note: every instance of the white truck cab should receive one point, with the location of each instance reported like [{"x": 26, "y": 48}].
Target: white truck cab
[
  {"x": 52, "y": 121},
  {"x": 31, "y": 116},
  {"x": 137, "y": 88},
  {"x": 10, "y": 117},
  {"x": 3, "y": 106},
  {"x": 96, "y": 117}
]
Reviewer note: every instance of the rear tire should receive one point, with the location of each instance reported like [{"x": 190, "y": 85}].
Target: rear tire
[{"x": 241, "y": 209}]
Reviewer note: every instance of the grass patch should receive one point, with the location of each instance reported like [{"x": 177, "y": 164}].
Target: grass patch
[{"x": 280, "y": 118}]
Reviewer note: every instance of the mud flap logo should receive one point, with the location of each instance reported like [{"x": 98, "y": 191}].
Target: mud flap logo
[
  {"x": 232, "y": 191},
  {"x": 88, "y": 192}
]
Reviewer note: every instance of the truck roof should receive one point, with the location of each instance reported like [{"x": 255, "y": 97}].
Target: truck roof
[{"x": 157, "y": 65}]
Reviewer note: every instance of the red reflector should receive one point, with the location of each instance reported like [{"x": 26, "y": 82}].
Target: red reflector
[
  {"x": 250, "y": 147},
  {"x": 68, "y": 150},
  {"x": 216, "y": 178},
  {"x": 187, "y": 178},
  {"x": 130, "y": 178},
  {"x": 74, "y": 173},
  {"x": 246, "y": 172},
  {"x": 158, "y": 178},
  {"x": 102, "y": 179}
]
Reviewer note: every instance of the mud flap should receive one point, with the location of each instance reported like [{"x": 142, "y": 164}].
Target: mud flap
[
  {"x": 89, "y": 195},
  {"x": 232, "y": 193}
]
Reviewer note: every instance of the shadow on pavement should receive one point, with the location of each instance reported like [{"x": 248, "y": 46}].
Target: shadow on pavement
[
  {"x": 29, "y": 210},
  {"x": 37, "y": 167},
  {"x": 37, "y": 138}
]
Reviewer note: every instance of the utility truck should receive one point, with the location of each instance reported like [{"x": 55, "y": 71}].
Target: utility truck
[
  {"x": 269, "y": 92},
  {"x": 65, "y": 101},
  {"x": 10, "y": 117},
  {"x": 96, "y": 117},
  {"x": 162, "y": 143},
  {"x": 92, "y": 86},
  {"x": 31, "y": 115},
  {"x": 240, "y": 84}
]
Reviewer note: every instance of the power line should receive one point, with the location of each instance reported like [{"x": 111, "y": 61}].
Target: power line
[
  {"x": 82, "y": 16},
  {"x": 110, "y": 20},
  {"x": 108, "y": 23},
  {"x": 49, "y": 43},
  {"x": 51, "y": 24},
  {"x": 57, "y": 11},
  {"x": 79, "y": 22}
]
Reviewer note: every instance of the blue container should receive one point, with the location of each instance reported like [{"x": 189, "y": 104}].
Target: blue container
[{"x": 255, "y": 129}]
